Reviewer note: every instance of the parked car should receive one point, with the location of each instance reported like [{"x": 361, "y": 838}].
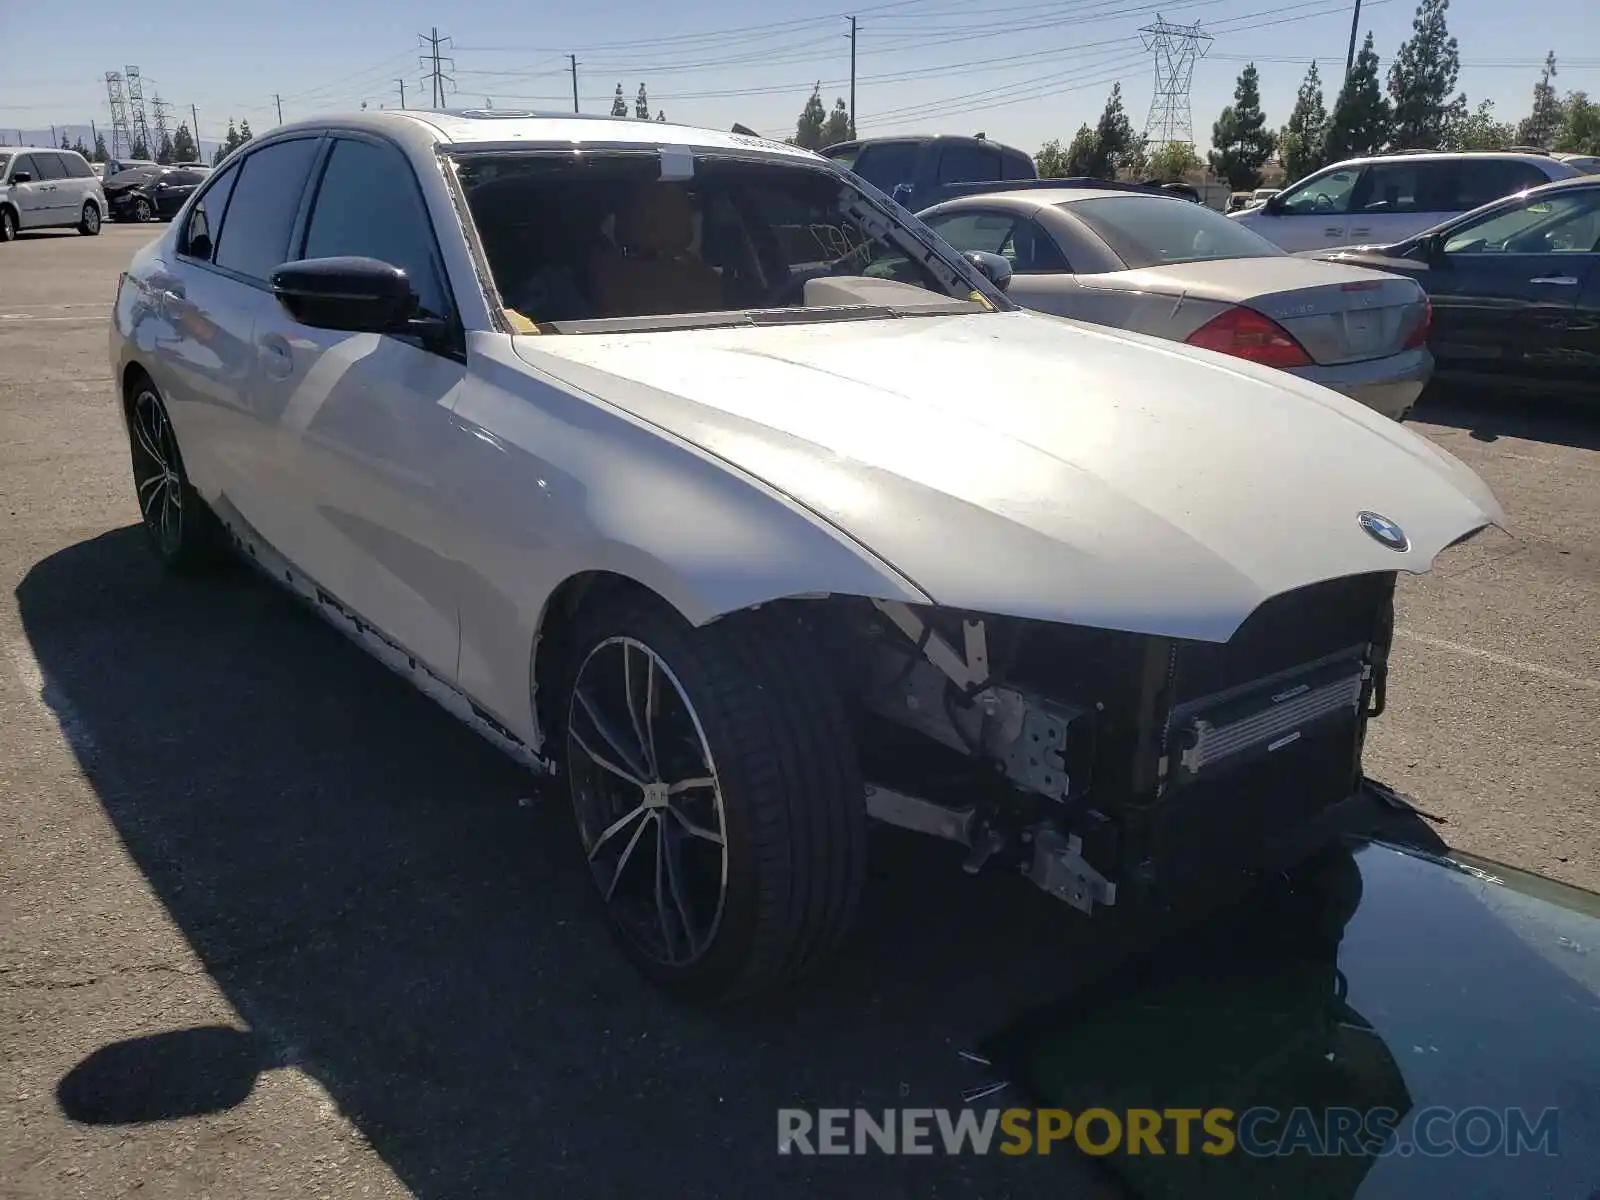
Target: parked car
[
  {"x": 918, "y": 171},
  {"x": 1237, "y": 201},
  {"x": 1515, "y": 287},
  {"x": 1589, "y": 164},
  {"x": 685, "y": 465},
  {"x": 1391, "y": 197},
  {"x": 152, "y": 193},
  {"x": 1182, "y": 271},
  {"x": 115, "y": 166},
  {"x": 41, "y": 188}
]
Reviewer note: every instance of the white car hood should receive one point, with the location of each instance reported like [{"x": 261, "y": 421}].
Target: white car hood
[{"x": 1025, "y": 465}]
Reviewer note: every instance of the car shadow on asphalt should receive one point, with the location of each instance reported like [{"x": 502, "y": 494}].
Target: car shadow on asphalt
[
  {"x": 1489, "y": 417},
  {"x": 399, "y": 910}
]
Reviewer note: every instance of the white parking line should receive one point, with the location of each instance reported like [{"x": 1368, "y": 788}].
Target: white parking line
[{"x": 1500, "y": 660}]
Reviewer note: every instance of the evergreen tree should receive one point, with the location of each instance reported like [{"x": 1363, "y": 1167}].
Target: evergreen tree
[
  {"x": 139, "y": 149},
  {"x": 183, "y": 145},
  {"x": 164, "y": 151},
  {"x": 1300, "y": 143},
  {"x": 1115, "y": 143},
  {"x": 813, "y": 118},
  {"x": 244, "y": 132},
  {"x": 641, "y": 105},
  {"x": 1478, "y": 130},
  {"x": 619, "y": 106},
  {"x": 1539, "y": 128},
  {"x": 1240, "y": 137},
  {"x": 1579, "y": 132},
  {"x": 836, "y": 128},
  {"x": 100, "y": 154},
  {"x": 1360, "y": 120},
  {"x": 661, "y": 114},
  {"x": 80, "y": 148},
  {"x": 1422, "y": 79}
]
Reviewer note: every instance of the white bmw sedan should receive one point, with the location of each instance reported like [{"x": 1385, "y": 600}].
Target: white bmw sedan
[{"x": 689, "y": 468}]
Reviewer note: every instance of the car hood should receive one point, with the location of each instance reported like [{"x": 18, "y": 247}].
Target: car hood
[{"x": 1020, "y": 464}]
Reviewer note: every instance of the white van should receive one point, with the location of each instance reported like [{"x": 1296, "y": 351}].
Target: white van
[
  {"x": 41, "y": 188},
  {"x": 1389, "y": 197}
]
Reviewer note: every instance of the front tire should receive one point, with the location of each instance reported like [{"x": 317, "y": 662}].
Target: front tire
[
  {"x": 717, "y": 793},
  {"x": 8, "y": 225},
  {"x": 89, "y": 226},
  {"x": 141, "y": 209},
  {"x": 183, "y": 530}
]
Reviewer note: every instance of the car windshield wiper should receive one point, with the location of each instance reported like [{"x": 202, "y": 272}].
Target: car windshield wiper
[{"x": 761, "y": 317}]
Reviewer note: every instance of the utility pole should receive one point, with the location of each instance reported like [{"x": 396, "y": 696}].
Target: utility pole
[
  {"x": 435, "y": 64},
  {"x": 402, "y": 84},
  {"x": 852, "y": 77},
  {"x": 573, "y": 59},
  {"x": 1350, "y": 55},
  {"x": 278, "y": 100},
  {"x": 54, "y": 140},
  {"x": 194, "y": 116}
]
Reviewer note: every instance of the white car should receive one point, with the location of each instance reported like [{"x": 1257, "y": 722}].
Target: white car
[
  {"x": 1387, "y": 198},
  {"x": 41, "y": 188},
  {"x": 680, "y": 464}
]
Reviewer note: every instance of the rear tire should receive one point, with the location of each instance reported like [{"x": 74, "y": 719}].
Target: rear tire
[
  {"x": 183, "y": 530},
  {"x": 717, "y": 793},
  {"x": 89, "y": 226}
]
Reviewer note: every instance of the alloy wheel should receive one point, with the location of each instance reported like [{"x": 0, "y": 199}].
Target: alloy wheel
[
  {"x": 141, "y": 209},
  {"x": 648, "y": 803},
  {"x": 8, "y": 225},
  {"x": 91, "y": 219},
  {"x": 157, "y": 476}
]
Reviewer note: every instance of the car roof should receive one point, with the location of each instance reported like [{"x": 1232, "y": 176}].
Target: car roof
[
  {"x": 1447, "y": 156},
  {"x": 38, "y": 150},
  {"x": 1034, "y": 198},
  {"x": 506, "y": 129}
]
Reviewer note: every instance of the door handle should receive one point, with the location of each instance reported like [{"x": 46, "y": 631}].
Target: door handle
[
  {"x": 1333, "y": 231},
  {"x": 277, "y": 360},
  {"x": 1558, "y": 280}
]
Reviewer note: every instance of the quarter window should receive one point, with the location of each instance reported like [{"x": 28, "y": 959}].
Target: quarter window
[
  {"x": 886, "y": 164},
  {"x": 263, "y": 207},
  {"x": 205, "y": 220},
  {"x": 76, "y": 167},
  {"x": 961, "y": 163},
  {"x": 369, "y": 205}
]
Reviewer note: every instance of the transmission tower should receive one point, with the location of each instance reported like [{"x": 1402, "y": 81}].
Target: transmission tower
[
  {"x": 163, "y": 129},
  {"x": 1176, "y": 47},
  {"x": 139, "y": 122},
  {"x": 436, "y": 67},
  {"x": 121, "y": 134}
]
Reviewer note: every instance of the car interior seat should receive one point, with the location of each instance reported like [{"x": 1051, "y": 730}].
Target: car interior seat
[{"x": 651, "y": 269}]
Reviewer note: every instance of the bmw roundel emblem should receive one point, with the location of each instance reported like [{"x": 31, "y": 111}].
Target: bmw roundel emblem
[{"x": 1384, "y": 531}]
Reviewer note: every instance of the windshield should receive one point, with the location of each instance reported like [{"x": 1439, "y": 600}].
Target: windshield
[
  {"x": 576, "y": 244},
  {"x": 1151, "y": 231}
]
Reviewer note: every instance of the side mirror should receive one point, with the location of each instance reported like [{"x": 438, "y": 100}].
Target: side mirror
[
  {"x": 994, "y": 268},
  {"x": 1432, "y": 250},
  {"x": 1273, "y": 205},
  {"x": 357, "y": 295},
  {"x": 22, "y": 177}
]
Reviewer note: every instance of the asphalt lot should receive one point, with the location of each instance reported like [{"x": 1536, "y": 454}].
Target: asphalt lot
[{"x": 273, "y": 924}]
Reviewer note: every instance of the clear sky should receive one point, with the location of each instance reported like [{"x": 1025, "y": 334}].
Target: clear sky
[{"x": 1021, "y": 70}]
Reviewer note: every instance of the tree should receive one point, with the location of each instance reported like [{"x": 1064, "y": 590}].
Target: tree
[
  {"x": 837, "y": 127},
  {"x": 244, "y": 132},
  {"x": 1539, "y": 128},
  {"x": 641, "y": 105},
  {"x": 164, "y": 150},
  {"x": 1300, "y": 142},
  {"x": 1115, "y": 143},
  {"x": 661, "y": 114},
  {"x": 1422, "y": 79},
  {"x": 813, "y": 119},
  {"x": 139, "y": 149},
  {"x": 619, "y": 106},
  {"x": 1172, "y": 162},
  {"x": 1051, "y": 161},
  {"x": 1241, "y": 141},
  {"x": 1360, "y": 119},
  {"x": 1580, "y": 125},
  {"x": 100, "y": 154},
  {"x": 1478, "y": 130},
  {"x": 1083, "y": 153},
  {"x": 184, "y": 148},
  {"x": 80, "y": 148}
]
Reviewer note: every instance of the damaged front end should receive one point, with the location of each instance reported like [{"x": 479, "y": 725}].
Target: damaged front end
[{"x": 1101, "y": 763}]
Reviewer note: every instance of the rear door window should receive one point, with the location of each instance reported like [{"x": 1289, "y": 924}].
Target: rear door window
[
  {"x": 1485, "y": 180},
  {"x": 963, "y": 162},
  {"x": 886, "y": 164},
  {"x": 76, "y": 167},
  {"x": 254, "y": 240},
  {"x": 50, "y": 166},
  {"x": 1395, "y": 187}
]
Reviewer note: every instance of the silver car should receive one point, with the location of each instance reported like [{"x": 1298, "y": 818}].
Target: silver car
[
  {"x": 686, "y": 467},
  {"x": 1157, "y": 265}
]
